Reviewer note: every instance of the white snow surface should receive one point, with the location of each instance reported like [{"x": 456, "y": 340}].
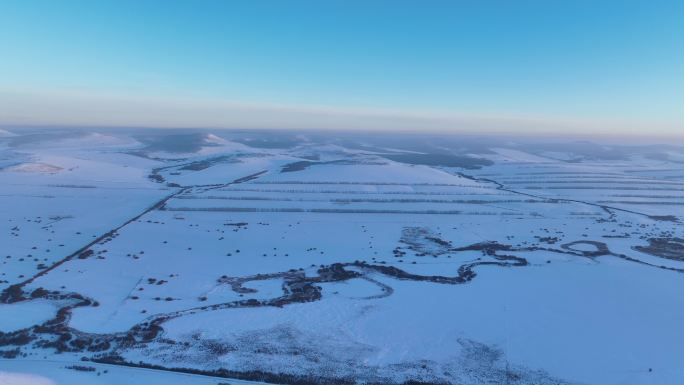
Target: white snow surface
[{"x": 577, "y": 263}]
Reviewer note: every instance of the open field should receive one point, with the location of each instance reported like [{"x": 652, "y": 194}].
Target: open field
[{"x": 207, "y": 258}]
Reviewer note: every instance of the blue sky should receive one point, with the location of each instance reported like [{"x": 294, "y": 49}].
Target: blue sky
[{"x": 552, "y": 61}]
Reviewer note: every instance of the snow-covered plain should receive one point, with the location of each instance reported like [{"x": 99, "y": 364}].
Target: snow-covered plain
[{"x": 304, "y": 258}]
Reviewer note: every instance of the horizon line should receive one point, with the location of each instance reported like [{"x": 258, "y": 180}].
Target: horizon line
[{"x": 100, "y": 110}]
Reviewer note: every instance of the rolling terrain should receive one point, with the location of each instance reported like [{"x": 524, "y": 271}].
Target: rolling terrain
[{"x": 324, "y": 258}]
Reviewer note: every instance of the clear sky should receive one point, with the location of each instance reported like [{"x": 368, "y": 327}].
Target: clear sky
[{"x": 480, "y": 64}]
